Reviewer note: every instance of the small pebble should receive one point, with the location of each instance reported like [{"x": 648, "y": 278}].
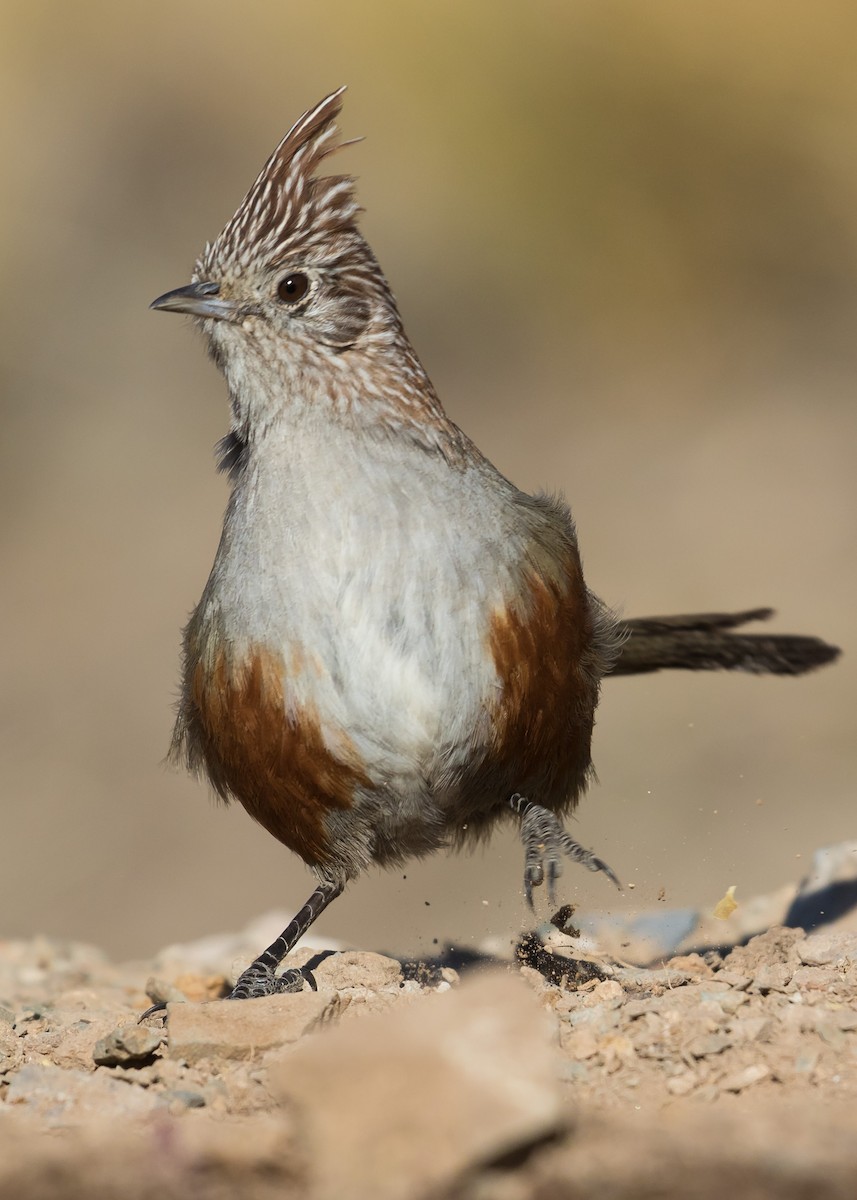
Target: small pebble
[
  {"x": 127, "y": 1045},
  {"x": 746, "y": 1078},
  {"x": 185, "y": 1098}
]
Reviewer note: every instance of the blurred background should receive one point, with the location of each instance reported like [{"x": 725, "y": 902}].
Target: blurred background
[{"x": 624, "y": 241}]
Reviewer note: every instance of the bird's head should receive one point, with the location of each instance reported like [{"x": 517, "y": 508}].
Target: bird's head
[{"x": 296, "y": 310}]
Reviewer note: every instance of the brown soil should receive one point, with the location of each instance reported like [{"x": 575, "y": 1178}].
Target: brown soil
[{"x": 704, "y": 1073}]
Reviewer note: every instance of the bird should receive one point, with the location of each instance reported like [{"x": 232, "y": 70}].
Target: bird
[{"x": 395, "y": 650}]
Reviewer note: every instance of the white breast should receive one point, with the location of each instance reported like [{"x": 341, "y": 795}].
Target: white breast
[{"x": 373, "y": 568}]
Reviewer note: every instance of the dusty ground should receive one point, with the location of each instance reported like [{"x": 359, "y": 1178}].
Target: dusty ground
[{"x": 706, "y": 1072}]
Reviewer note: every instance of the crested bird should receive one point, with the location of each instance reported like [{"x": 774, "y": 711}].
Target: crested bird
[{"x": 395, "y": 649}]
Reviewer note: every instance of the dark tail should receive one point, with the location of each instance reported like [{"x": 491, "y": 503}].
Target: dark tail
[{"x": 704, "y": 642}]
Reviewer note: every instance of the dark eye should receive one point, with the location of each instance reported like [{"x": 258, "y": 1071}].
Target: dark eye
[{"x": 293, "y": 288}]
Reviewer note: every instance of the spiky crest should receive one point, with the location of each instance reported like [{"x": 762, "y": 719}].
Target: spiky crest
[{"x": 288, "y": 207}]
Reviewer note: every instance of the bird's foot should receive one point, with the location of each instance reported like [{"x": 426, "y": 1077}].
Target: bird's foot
[
  {"x": 546, "y": 844},
  {"x": 259, "y": 980}
]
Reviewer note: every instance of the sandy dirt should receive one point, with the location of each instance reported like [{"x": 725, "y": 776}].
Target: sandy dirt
[{"x": 545, "y": 1076}]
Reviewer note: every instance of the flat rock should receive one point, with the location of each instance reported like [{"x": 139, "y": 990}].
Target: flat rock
[
  {"x": 448, "y": 1082},
  {"x": 238, "y": 1029}
]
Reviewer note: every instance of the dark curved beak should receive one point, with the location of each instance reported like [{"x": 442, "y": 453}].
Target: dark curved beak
[{"x": 198, "y": 300}]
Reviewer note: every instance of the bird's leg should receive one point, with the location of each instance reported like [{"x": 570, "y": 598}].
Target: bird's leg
[
  {"x": 259, "y": 978},
  {"x": 545, "y": 844}
]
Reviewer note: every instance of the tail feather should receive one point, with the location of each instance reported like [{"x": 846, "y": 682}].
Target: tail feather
[{"x": 703, "y": 642}]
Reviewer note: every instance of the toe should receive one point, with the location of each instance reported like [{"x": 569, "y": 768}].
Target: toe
[
  {"x": 598, "y": 864},
  {"x": 554, "y": 872},
  {"x": 291, "y": 981},
  {"x": 257, "y": 980},
  {"x": 534, "y": 876}
]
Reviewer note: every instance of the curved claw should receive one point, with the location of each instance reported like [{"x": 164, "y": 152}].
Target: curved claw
[
  {"x": 160, "y": 1007},
  {"x": 598, "y": 864},
  {"x": 534, "y": 876},
  {"x": 586, "y": 858}
]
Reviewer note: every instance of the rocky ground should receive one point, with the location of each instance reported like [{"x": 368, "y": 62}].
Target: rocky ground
[{"x": 540, "y": 1077}]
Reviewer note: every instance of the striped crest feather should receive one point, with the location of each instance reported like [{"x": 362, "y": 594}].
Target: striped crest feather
[{"x": 288, "y": 208}]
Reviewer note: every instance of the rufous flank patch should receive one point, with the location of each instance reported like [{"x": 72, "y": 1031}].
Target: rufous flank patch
[
  {"x": 542, "y": 721},
  {"x": 277, "y": 764}
]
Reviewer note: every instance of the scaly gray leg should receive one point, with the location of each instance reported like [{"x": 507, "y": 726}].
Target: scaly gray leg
[
  {"x": 259, "y": 978},
  {"x": 545, "y": 844}
]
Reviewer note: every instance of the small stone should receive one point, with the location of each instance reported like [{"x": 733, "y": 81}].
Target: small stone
[
  {"x": 829, "y": 1032},
  {"x": 708, "y": 1044},
  {"x": 198, "y": 988},
  {"x": 7, "y": 1017},
  {"x": 535, "y": 980},
  {"x": 635, "y": 1009},
  {"x": 746, "y": 1078},
  {"x": 127, "y": 1045},
  {"x": 692, "y": 964},
  {"x": 731, "y": 1001},
  {"x": 814, "y": 979},
  {"x": 580, "y": 1044},
  {"x": 682, "y": 1085},
  {"x": 710, "y": 1009},
  {"x": 608, "y": 992},
  {"x": 238, "y": 1029},
  {"x": 160, "y": 991},
  {"x": 825, "y": 948},
  {"x": 617, "y": 1051},
  {"x": 772, "y": 977},
  {"x": 600, "y": 1019},
  {"x": 185, "y": 1099},
  {"x": 753, "y": 1029},
  {"x": 734, "y": 978},
  {"x": 358, "y": 969}
]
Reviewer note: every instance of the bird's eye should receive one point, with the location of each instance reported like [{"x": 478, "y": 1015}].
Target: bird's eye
[{"x": 293, "y": 288}]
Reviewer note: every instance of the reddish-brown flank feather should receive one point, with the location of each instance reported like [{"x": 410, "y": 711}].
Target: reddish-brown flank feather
[
  {"x": 277, "y": 764},
  {"x": 543, "y": 720}
]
